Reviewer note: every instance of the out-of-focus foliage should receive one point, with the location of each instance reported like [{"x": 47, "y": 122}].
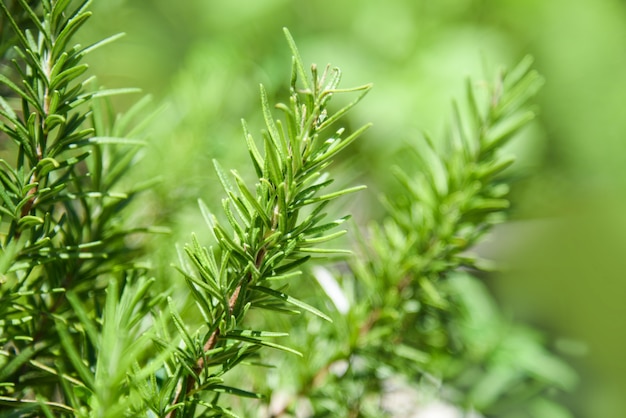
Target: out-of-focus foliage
[{"x": 410, "y": 314}]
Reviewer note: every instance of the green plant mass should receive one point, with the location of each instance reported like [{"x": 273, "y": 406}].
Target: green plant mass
[{"x": 288, "y": 300}]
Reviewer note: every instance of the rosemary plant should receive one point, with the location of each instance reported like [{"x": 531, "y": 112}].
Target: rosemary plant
[
  {"x": 63, "y": 240},
  {"x": 270, "y": 231},
  {"x": 412, "y": 322},
  {"x": 83, "y": 332}
]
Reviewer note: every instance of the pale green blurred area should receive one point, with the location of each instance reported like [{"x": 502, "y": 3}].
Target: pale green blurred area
[{"x": 565, "y": 272}]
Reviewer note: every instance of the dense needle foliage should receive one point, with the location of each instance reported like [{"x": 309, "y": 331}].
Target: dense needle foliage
[{"x": 84, "y": 331}]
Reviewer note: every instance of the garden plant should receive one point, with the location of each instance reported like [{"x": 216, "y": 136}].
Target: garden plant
[{"x": 278, "y": 310}]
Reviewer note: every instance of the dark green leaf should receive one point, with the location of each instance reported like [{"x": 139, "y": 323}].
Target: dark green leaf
[{"x": 293, "y": 301}]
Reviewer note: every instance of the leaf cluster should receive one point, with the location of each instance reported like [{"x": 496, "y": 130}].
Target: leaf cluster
[
  {"x": 270, "y": 231},
  {"x": 63, "y": 241},
  {"x": 411, "y": 313}
]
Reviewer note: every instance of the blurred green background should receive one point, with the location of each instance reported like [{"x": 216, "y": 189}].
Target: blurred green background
[{"x": 565, "y": 254}]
